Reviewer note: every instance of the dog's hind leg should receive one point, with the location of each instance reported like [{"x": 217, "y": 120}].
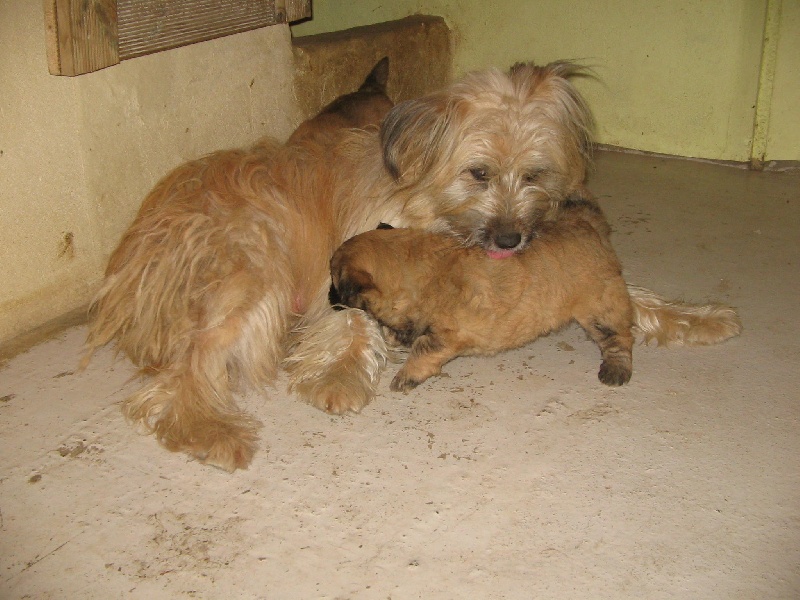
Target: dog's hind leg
[
  {"x": 195, "y": 414},
  {"x": 189, "y": 404},
  {"x": 336, "y": 360},
  {"x": 198, "y": 294}
]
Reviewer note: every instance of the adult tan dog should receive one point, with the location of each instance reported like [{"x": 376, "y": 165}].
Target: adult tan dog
[
  {"x": 223, "y": 276},
  {"x": 443, "y": 299}
]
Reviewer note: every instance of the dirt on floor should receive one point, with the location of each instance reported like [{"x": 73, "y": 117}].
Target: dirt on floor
[{"x": 516, "y": 476}]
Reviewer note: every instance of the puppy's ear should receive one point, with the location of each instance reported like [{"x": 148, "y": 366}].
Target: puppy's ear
[
  {"x": 415, "y": 134},
  {"x": 580, "y": 199}
]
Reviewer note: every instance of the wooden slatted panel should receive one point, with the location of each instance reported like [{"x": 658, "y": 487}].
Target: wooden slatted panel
[
  {"x": 147, "y": 26},
  {"x": 87, "y": 35},
  {"x": 81, "y": 35},
  {"x": 295, "y": 10}
]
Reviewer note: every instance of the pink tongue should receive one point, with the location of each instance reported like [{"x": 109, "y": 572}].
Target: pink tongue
[{"x": 499, "y": 253}]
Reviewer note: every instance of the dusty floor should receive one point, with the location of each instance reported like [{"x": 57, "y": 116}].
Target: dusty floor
[{"x": 519, "y": 476}]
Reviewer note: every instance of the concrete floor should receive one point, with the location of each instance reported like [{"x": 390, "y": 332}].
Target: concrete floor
[{"x": 518, "y": 476}]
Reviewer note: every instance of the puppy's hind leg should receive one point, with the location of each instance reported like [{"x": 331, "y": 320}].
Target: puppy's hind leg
[
  {"x": 336, "y": 360},
  {"x": 427, "y": 357},
  {"x": 616, "y": 351},
  {"x": 611, "y": 331}
]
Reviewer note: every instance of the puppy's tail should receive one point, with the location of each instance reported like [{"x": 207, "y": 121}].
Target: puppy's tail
[{"x": 675, "y": 323}]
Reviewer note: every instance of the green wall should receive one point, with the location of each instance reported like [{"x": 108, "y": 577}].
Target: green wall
[{"x": 678, "y": 77}]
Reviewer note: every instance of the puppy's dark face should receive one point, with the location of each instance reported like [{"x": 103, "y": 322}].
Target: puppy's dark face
[
  {"x": 367, "y": 272},
  {"x": 352, "y": 267},
  {"x": 349, "y": 287},
  {"x": 352, "y": 285}
]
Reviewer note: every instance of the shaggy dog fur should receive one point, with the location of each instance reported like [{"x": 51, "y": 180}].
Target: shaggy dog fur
[
  {"x": 443, "y": 300},
  {"x": 223, "y": 276}
]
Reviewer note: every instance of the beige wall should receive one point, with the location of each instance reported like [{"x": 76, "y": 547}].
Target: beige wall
[
  {"x": 78, "y": 154},
  {"x": 677, "y": 77},
  {"x": 783, "y": 137}
]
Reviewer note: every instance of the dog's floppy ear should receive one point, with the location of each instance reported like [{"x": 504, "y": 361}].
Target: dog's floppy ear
[{"x": 414, "y": 134}]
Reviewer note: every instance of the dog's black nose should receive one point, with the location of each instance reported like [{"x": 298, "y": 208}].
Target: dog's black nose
[{"x": 508, "y": 240}]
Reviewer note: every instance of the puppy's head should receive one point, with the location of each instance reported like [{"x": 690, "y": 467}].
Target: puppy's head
[
  {"x": 383, "y": 273},
  {"x": 490, "y": 157},
  {"x": 355, "y": 266},
  {"x": 348, "y": 283}
]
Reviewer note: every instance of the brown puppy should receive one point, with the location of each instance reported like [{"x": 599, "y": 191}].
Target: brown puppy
[{"x": 445, "y": 300}]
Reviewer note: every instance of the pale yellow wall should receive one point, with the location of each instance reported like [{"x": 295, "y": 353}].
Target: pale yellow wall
[
  {"x": 783, "y": 139},
  {"x": 78, "y": 154},
  {"x": 41, "y": 198},
  {"x": 677, "y": 77}
]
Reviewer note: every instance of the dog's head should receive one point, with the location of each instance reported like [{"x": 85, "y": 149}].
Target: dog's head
[{"x": 491, "y": 156}]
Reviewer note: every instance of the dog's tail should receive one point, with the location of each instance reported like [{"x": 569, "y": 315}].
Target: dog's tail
[{"x": 676, "y": 323}]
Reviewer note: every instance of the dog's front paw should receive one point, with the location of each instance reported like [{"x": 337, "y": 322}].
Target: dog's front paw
[
  {"x": 226, "y": 450},
  {"x": 337, "y": 397},
  {"x": 337, "y": 361},
  {"x": 612, "y": 373},
  {"x": 339, "y": 387}
]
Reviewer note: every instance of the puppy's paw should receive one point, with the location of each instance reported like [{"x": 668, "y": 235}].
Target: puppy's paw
[
  {"x": 403, "y": 382},
  {"x": 613, "y": 373}
]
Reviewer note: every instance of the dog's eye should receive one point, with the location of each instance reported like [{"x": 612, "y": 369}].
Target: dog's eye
[
  {"x": 532, "y": 177},
  {"x": 479, "y": 174}
]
